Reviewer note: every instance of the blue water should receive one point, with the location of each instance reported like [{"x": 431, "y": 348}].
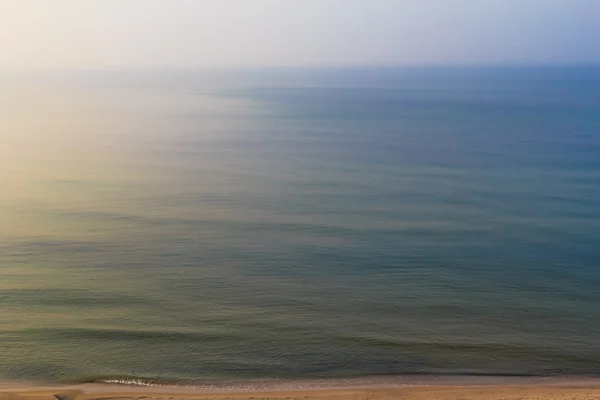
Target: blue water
[{"x": 193, "y": 226}]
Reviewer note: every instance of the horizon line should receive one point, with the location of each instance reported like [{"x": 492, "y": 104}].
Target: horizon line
[{"x": 302, "y": 67}]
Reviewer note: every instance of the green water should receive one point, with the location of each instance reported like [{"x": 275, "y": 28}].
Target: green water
[{"x": 196, "y": 226}]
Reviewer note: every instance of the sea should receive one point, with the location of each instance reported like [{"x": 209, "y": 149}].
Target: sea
[{"x": 189, "y": 227}]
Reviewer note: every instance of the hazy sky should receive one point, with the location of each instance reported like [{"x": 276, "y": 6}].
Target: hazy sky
[{"x": 186, "y": 33}]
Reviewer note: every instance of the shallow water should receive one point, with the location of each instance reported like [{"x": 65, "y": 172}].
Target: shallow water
[{"x": 190, "y": 226}]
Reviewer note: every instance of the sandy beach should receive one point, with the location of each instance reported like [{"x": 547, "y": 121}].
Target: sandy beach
[{"x": 551, "y": 389}]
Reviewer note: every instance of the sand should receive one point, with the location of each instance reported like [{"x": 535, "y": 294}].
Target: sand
[{"x": 551, "y": 390}]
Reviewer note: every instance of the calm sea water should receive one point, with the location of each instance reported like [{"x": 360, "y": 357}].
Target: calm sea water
[{"x": 192, "y": 226}]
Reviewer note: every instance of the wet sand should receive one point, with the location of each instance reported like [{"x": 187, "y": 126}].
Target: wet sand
[{"x": 443, "y": 389}]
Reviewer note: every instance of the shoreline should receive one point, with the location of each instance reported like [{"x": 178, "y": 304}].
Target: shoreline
[
  {"x": 489, "y": 388},
  {"x": 308, "y": 384},
  {"x": 425, "y": 392}
]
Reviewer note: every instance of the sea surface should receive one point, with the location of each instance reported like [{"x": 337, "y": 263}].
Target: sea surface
[{"x": 211, "y": 226}]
